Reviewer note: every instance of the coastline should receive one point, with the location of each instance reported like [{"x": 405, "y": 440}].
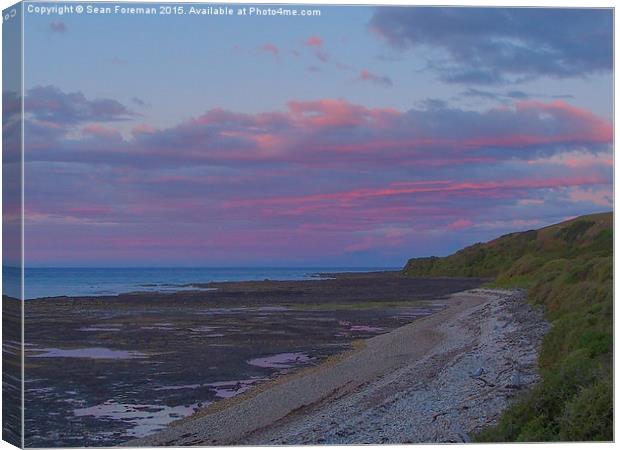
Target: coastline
[
  {"x": 97, "y": 282},
  {"x": 196, "y": 349},
  {"x": 480, "y": 331}
]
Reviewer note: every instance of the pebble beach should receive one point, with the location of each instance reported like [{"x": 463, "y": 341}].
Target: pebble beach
[{"x": 441, "y": 378}]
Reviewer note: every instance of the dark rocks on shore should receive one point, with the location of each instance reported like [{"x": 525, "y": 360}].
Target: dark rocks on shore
[{"x": 193, "y": 339}]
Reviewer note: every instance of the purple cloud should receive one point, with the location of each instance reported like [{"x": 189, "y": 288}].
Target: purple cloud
[
  {"x": 141, "y": 103},
  {"x": 50, "y": 104},
  {"x": 58, "y": 27},
  {"x": 326, "y": 132},
  {"x": 509, "y": 96},
  {"x": 230, "y": 187},
  {"x": 365, "y": 75},
  {"x": 271, "y": 49},
  {"x": 498, "y": 45}
]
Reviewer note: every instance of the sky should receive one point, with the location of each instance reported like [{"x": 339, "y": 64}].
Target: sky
[{"x": 362, "y": 137}]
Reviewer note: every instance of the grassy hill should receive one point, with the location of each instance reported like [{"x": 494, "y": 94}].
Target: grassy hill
[{"x": 568, "y": 270}]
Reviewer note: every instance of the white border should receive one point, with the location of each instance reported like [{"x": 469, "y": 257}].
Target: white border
[{"x": 484, "y": 3}]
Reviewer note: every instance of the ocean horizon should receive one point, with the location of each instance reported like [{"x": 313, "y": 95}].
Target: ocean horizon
[{"x": 101, "y": 281}]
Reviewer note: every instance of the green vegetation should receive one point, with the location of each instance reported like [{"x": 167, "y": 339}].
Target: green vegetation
[{"x": 568, "y": 270}]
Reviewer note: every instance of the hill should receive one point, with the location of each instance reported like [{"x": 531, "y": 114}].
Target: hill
[{"x": 568, "y": 271}]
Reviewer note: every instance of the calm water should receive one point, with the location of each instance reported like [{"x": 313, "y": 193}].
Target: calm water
[{"x": 52, "y": 282}]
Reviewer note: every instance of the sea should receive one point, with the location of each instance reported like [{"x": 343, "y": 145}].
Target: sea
[{"x": 74, "y": 282}]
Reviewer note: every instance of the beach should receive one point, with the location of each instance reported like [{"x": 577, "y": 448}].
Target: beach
[
  {"x": 438, "y": 379},
  {"x": 103, "y": 371}
]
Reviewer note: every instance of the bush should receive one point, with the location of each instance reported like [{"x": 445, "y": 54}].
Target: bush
[{"x": 589, "y": 416}]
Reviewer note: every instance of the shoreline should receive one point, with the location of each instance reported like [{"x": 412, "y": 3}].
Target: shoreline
[
  {"x": 195, "y": 349},
  {"x": 280, "y": 411},
  {"x": 160, "y": 286}
]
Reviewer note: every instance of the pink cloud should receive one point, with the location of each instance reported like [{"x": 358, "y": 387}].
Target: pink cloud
[
  {"x": 98, "y": 130},
  {"x": 335, "y": 132},
  {"x": 598, "y": 196},
  {"x": 437, "y": 188},
  {"x": 378, "y": 241},
  {"x": 596, "y": 128},
  {"x": 531, "y": 201},
  {"x": 90, "y": 210},
  {"x": 460, "y": 224},
  {"x": 271, "y": 48},
  {"x": 576, "y": 160},
  {"x": 314, "y": 41},
  {"x": 315, "y": 178},
  {"x": 365, "y": 75},
  {"x": 403, "y": 136},
  {"x": 142, "y": 128},
  {"x": 365, "y": 244},
  {"x": 335, "y": 113}
]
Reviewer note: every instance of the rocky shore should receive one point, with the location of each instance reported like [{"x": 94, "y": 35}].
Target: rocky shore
[
  {"x": 141, "y": 361},
  {"x": 439, "y": 379},
  {"x": 489, "y": 355}
]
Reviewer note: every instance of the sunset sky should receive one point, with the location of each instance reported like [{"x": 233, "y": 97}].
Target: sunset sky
[{"x": 362, "y": 137}]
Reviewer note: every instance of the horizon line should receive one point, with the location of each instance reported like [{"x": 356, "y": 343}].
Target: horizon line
[{"x": 212, "y": 267}]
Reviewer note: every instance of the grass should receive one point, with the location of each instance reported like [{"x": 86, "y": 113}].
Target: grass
[{"x": 568, "y": 270}]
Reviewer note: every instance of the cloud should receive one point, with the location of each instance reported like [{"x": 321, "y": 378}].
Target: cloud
[
  {"x": 322, "y": 56},
  {"x": 600, "y": 196},
  {"x": 460, "y": 224},
  {"x": 58, "y": 27},
  {"x": 500, "y": 45},
  {"x": 318, "y": 44},
  {"x": 270, "y": 48},
  {"x": 326, "y": 179},
  {"x": 143, "y": 128},
  {"x": 138, "y": 101},
  {"x": 51, "y": 105},
  {"x": 314, "y": 41},
  {"x": 117, "y": 61},
  {"x": 439, "y": 189},
  {"x": 327, "y": 132},
  {"x": 365, "y": 75},
  {"x": 508, "y": 96},
  {"x": 495, "y": 96},
  {"x": 99, "y": 131},
  {"x": 576, "y": 159}
]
